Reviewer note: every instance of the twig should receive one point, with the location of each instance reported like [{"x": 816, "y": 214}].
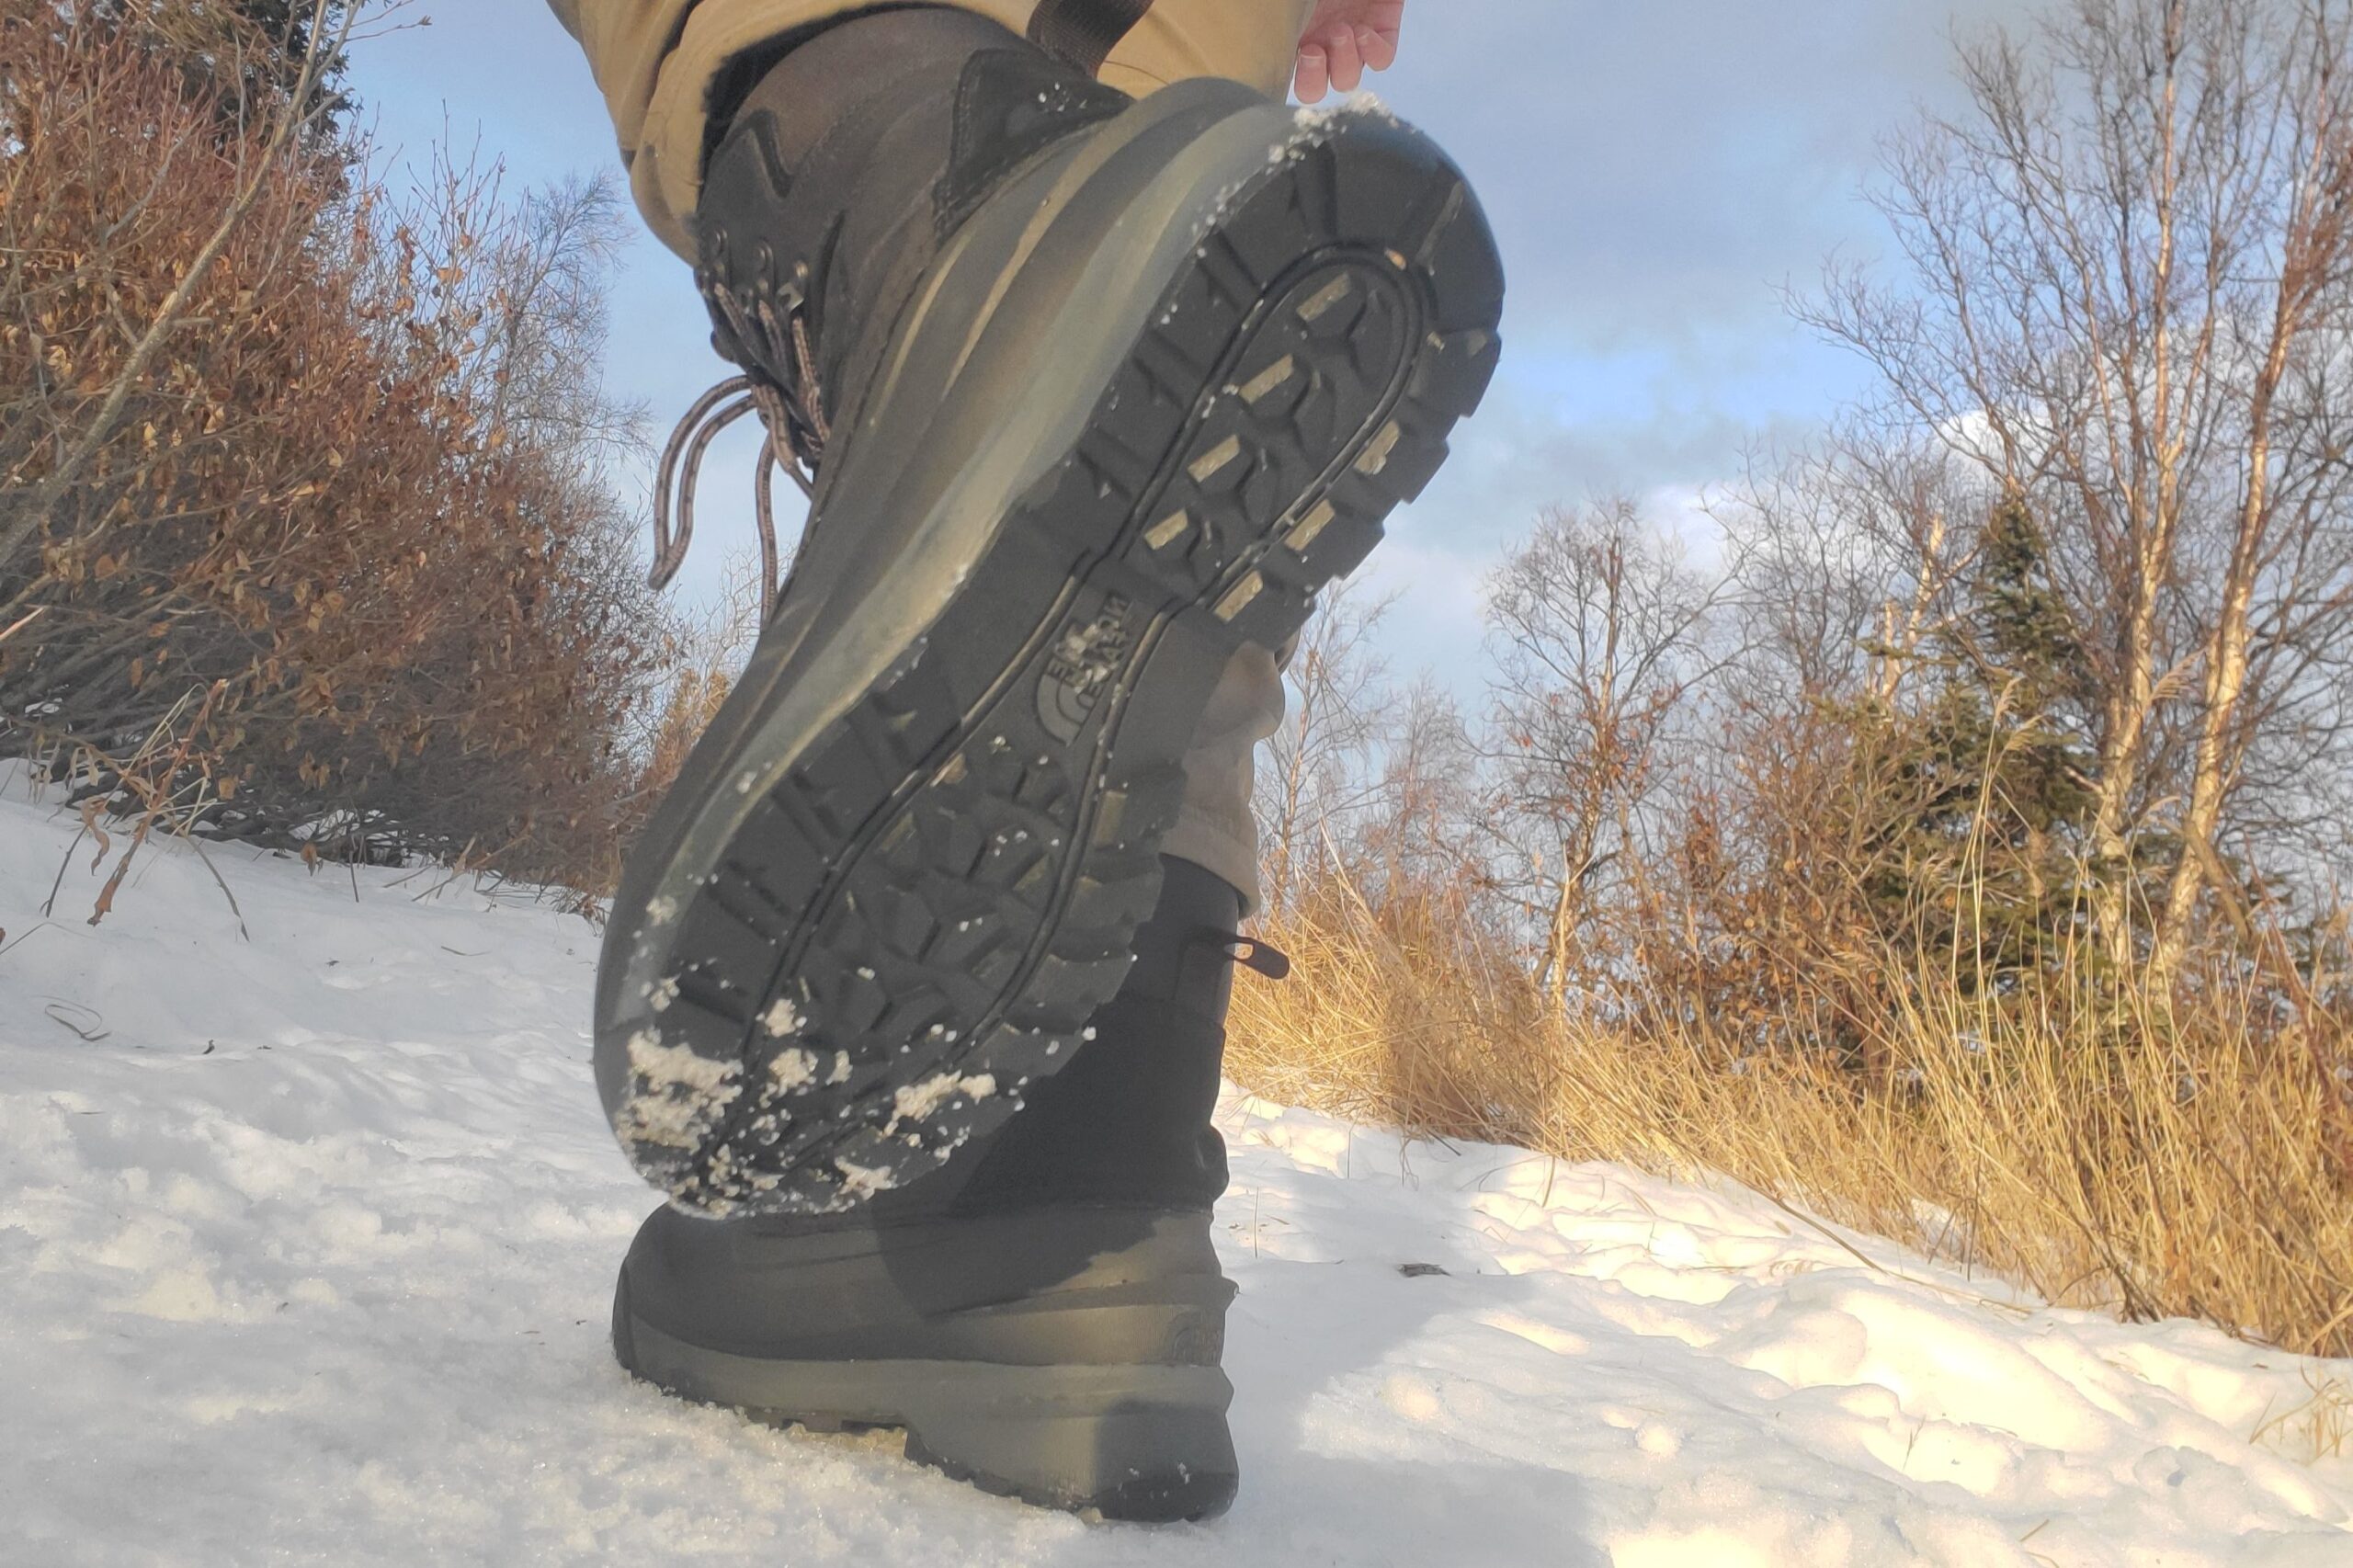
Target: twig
[
  {"x": 97, "y": 1019},
  {"x": 49, "y": 905},
  {"x": 158, "y": 797},
  {"x": 1809, "y": 1220},
  {"x": 218, "y": 880},
  {"x": 21, "y": 939}
]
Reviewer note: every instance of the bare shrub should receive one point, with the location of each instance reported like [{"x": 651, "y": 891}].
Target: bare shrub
[{"x": 342, "y": 482}]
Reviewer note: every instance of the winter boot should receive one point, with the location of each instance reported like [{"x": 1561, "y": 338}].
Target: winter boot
[
  {"x": 1095, "y": 392},
  {"x": 1044, "y": 1317}
]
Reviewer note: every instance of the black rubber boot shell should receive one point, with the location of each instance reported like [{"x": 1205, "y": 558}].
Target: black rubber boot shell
[
  {"x": 1045, "y": 1320},
  {"x": 1098, "y": 1391}
]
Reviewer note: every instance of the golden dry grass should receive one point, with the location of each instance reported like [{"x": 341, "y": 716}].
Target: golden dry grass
[{"x": 2183, "y": 1159}]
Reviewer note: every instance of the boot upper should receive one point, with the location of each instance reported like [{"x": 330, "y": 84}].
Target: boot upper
[{"x": 807, "y": 253}]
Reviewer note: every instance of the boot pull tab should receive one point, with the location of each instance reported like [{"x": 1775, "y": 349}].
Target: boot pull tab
[{"x": 1250, "y": 953}]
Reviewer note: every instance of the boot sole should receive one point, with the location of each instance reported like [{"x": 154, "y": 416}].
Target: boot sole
[
  {"x": 1142, "y": 1444},
  {"x": 1100, "y": 1392},
  {"x": 884, "y": 926}
]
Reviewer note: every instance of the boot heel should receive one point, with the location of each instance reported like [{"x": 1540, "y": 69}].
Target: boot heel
[{"x": 1148, "y": 1463}]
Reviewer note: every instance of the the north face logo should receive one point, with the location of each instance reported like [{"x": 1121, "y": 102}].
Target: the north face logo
[{"x": 1081, "y": 666}]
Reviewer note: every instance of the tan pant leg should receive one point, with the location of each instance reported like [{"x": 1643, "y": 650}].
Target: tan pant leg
[
  {"x": 656, "y": 60},
  {"x": 1245, "y": 41},
  {"x": 1252, "y": 42},
  {"x": 1215, "y": 828}
]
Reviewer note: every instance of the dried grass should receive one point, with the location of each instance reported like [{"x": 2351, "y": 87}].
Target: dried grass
[{"x": 2145, "y": 1156}]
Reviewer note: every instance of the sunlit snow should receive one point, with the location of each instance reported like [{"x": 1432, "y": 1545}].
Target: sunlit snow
[{"x": 305, "y": 1256}]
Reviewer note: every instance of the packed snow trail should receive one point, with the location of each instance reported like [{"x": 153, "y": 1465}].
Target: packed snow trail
[{"x": 305, "y": 1256}]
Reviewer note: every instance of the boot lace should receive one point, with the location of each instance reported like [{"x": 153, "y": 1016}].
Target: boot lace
[{"x": 794, "y": 419}]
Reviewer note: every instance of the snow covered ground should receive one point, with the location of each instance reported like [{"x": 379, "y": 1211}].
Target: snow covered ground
[{"x": 304, "y": 1254}]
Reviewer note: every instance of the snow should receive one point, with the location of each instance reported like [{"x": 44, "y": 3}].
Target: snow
[
  {"x": 306, "y": 1258},
  {"x": 678, "y": 1095},
  {"x": 793, "y": 1069},
  {"x": 918, "y": 1102}
]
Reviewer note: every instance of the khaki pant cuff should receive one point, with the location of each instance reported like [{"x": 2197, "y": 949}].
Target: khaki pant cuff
[{"x": 1215, "y": 848}]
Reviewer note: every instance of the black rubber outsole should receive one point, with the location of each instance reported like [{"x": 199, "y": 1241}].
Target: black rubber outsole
[
  {"x": 1186, "y": 1496},
  {"x": 1129, "y": 1461},
  {"x": 921, "y": 917}
]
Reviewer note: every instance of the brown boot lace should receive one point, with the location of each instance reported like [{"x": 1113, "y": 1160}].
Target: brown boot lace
[{"x": 797, "y": 431}]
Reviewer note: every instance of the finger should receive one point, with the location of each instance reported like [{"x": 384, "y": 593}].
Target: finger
[
  {"x": 1314, "y": 76},
  {"x": 1347, "y": 65},
  {"x": 1378, "y": 53}
]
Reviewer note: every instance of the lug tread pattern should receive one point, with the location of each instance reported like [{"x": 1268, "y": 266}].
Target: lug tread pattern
[{"x": 922, "y": 915}]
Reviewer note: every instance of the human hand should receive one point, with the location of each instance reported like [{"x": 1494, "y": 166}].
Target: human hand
[{"x": 1343, "y": 40}]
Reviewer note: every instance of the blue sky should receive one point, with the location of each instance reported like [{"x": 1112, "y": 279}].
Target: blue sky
[{"x": 1656, "y": 172}]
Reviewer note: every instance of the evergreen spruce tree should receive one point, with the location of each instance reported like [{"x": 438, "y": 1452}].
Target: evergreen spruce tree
[
  {"x": 247, "y": 54},
  {"x": 290, "y": 24},
  {"x": 1981, "y": 791}
]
